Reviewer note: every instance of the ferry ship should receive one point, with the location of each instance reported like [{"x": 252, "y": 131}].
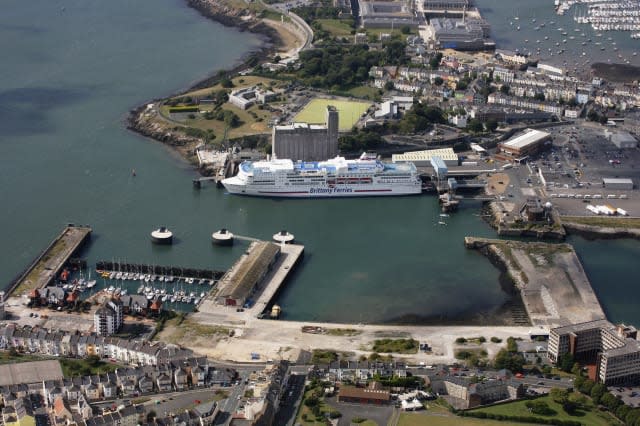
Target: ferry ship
[{"x": 337, "y": 177}]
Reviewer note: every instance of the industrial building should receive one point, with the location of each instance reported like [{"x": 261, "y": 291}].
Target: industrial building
[
  {"x": 614, "y": 350},
  {"x": 307, "y": 142},
  {"x": 622, "y": 140},
  {"x": 423, "y": 158},
  {"x": 617, "y": 183},
  {"x": 244, "y": 278},
  {"x": 447, "y": 5},
  {"x": 108, "y": 318},
  {"x": 525, "y": 144},
  {"x": 461, "y": 34},
  {"x": 387, "y": 14}
]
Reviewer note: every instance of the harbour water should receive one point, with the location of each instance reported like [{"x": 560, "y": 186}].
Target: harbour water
[
  {"x": 528, "y": 16},
  {"x": 71, "y": 71}
]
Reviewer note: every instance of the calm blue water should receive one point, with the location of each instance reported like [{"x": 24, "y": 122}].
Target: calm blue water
[
  {"x": 72, "y": 69},
  {"x": 502, "y": 16}
]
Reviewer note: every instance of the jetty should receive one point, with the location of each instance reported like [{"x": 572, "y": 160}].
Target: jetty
[
  {"x": 42, "y": 271},
  {"x": 177, "y": 271},
  {"x": 555, "y": 289}
]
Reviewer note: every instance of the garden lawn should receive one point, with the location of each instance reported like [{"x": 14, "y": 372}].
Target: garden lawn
[{"x": 589, "y": 416}]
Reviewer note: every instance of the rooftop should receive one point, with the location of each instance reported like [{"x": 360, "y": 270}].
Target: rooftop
[
  {"x": 445, "y": 154},
  {"x": 530, "y": 136},
  {"x": 29, "y": 372}
]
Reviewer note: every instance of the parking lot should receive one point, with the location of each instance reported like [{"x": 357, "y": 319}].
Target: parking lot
[
  {"x": 630, "y": 396},
  {"x": 574, "y": 168}
]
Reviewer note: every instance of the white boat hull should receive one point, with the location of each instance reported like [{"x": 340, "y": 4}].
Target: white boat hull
[{"x": 324, "y": 191}]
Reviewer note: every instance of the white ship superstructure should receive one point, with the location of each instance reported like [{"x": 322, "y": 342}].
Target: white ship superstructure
[{"x": 337, "y": 177}]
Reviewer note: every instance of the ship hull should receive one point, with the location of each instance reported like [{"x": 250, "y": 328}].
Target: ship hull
[{"x": 324, "y": 192}]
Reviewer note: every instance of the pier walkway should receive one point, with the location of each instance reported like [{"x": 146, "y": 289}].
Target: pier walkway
[
  {"x": 50, "y": 262},
  {"x": 289, "y": 254}
]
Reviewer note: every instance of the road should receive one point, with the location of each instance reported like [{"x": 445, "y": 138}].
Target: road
[{"x": 291, "y": 399}]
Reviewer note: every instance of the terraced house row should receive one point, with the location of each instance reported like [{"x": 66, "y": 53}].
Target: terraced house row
[{"x": 80, "y": 345}]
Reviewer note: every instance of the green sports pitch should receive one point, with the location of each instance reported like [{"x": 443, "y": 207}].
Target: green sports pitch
[{"x": 348, "y": 112}]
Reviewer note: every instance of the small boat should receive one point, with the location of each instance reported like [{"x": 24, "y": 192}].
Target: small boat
[
  {"x": 140, "y": 289},
  {"x": 150, "y": 296},
  {"x": 442, "y": 223},
  {"x": 202, "y": 294},
  {"x": 119, "y": 276},
  {"x": 196, "y": 301},
  {"x": 173, "y": 299},
  {"x": 164, "y": 298},
  {"x": 91, "y": 283},
  {"x": 123, "y": 292},
  {"x": 111, "y": 289}
]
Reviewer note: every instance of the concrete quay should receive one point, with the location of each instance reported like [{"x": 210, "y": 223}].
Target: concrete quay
[
  {"x": 553, "y": 285},
  {"x": 50, "y": 262},
  {"x": 289, "y": 255}
]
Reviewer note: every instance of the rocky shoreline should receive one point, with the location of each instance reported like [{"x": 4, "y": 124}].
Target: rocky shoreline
[
  {"x": 139, "y": 119},
  {"x": 599, "y": 232}
]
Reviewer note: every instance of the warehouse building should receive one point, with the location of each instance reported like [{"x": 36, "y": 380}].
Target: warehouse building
[
  {"x": 461, "y": 34},
  {"x": 241, "y": 282},
  {"x": 622, "y": 140},
  {"x": 386, "y": 14},
  {"x": 307, "y": 142},
  {"x": 614, "y": 350},
  {"x": 423, "y": 158},
  {"x": 617, "y": 183},
  {"x": 525, "y": 144}
]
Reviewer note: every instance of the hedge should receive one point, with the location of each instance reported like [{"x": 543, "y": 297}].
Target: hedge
[
  {"x": 519, "y": 419},
  {"x": 187, "y": 108}
]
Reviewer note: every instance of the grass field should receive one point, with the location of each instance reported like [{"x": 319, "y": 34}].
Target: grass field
[
  {"x": 337, "y": 27},
  {"x": 589, "y": 416},
  {"x": 348, "y": 111},
  {"x": 426, "y": 419}
]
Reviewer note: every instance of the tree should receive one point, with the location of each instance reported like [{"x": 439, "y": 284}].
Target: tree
[
  {"x": 505, "y": 89},
  {"x": 491, "y": 125},
  {"x": 506, "y": 360},
  {"x": 405, "y": 29},
  {"x": 438, "y": 81},
  {"x": 388, "y": 85},
  {"x": 586, "y": 386},
  {"x": 576, "y": 369},
  {"x": 226, "y": 82},
  {"x": 434, "y": 63},
  {"x": 461, "y": 85},
  {"x": 565, "y": 362},
  {"x": 539, "y": 97},
  {"x": 475, "y": 125},
  {"x": 597, "y": 391},
  {"x": 512, "y": 345},
  {"x": 560, "y": 396},
  {"x": 540, "y": 408},
  {"x": 610, "y": 401}
]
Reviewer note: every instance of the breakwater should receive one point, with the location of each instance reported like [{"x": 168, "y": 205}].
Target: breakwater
[{"x": 553, "y": 285}]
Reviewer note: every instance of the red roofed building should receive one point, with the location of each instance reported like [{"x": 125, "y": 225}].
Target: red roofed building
[{"x": 363, "y": 396}]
